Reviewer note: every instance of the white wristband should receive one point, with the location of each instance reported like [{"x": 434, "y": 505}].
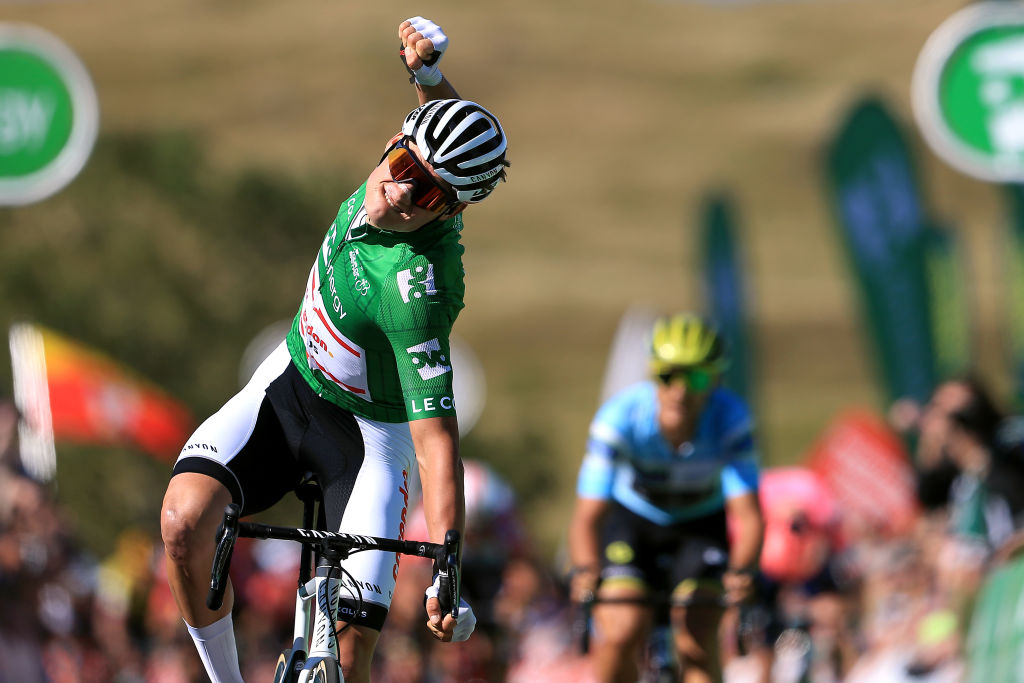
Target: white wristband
[{"x": 427, "y": 75}]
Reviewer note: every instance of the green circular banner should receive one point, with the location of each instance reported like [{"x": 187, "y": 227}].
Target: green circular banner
[
  {"x": 968, "y": 91},
  {"x": 48, "y": 115}
]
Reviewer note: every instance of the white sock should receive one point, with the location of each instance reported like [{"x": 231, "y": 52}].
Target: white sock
[{"x": 216, "y": 645}]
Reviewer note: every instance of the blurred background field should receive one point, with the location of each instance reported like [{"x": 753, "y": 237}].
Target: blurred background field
[{"x": 232, "y": 130}]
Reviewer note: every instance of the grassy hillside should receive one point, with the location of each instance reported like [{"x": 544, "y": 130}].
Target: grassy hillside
[{"x": 620, "y": 116}]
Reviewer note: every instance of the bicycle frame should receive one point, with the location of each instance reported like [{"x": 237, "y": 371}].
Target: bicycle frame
[{"x": 313, "y": 656}]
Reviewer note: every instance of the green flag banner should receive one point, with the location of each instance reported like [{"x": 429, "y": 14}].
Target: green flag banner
[
  {"x": 1014, "y": 303},
  {"x": 724, "y": 294},
  {"x": 877, "y": 201},
  {"x": 948, "y": 301}
]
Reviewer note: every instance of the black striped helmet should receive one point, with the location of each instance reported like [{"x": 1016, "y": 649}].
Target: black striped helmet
[{"x": 463, "y": 143}]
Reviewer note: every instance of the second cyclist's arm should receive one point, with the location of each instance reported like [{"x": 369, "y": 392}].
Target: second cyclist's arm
[
  {"x": 585, "y": 534},
  {"x": 745, "y": 549},
  {"x": 436, "y": 440}
]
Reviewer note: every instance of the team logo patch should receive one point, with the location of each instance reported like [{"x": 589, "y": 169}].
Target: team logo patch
[
  {"x": 428, "y": 359},
  {"x": 417, "y": 282},
  {"x": 619, "y": 552}
]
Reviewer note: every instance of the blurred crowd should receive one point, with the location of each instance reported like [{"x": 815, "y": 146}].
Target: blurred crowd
[{"x": 835, "y": 602}]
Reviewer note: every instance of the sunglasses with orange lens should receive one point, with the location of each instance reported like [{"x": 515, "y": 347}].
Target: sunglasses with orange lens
[{"x": 406, "y": 168}]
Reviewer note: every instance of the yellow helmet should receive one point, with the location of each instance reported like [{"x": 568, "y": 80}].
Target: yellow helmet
[{"x": 686, "y": 340}]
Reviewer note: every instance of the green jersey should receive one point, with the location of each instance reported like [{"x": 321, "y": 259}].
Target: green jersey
[{"x": 372, "y": 332}]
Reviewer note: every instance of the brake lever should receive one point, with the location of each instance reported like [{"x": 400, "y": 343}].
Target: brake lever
[{"x": 227, "y": 534}]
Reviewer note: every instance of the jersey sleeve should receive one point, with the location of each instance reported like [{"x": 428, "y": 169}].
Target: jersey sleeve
[
  {"x": 416, "y": 314},
  {"x": 741, "y": 473},
  {"x": 605, "y": 445}
]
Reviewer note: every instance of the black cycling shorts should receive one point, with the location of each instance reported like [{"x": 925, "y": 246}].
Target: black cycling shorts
[
  {"x": 659, "y": 558},
  {"x": 265, "y": 438}
]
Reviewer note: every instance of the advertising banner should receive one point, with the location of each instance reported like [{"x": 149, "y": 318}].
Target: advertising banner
[
  {"x": 1013, "y": 255},
  {"x": 866, "y": 466},
  {"x": 877, "y": 201},
  {"x": 724, "y": 293},
  {"x": 968, "y": 91},
  {"x": 948, "y": 302},
  {"x": 49, "y": 114}
]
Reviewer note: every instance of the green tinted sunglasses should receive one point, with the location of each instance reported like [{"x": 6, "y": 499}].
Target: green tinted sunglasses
[{"x": 696, "y": 379}]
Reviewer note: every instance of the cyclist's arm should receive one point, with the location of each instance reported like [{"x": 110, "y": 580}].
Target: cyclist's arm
[
  {"x": 585, "y": 547},
  {"x": 740, "y": 482},
  {"x": 593, "y": 492},
  {"x": 585, "y": 535},
  {"x": 441, "y": 91},
  {"x": 745, "y": 550},
  {"x": 436, "y": 440},
  {"x": 417, "y": 49}
]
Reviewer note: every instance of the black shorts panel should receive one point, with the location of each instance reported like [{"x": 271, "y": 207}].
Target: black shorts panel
[
  {"x": 261, "y": 473},
  {"x": 662, "y": 557},
  {"x": 325, "y": 439},
  {"x": 295, "y": 432}
]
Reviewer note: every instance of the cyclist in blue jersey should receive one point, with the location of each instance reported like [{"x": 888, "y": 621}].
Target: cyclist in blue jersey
[
  {"x": 360, "y": 391},
  {"x": 667, "y": 460}
]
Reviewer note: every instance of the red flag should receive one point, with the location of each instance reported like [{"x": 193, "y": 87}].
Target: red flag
[
  {"x": 69, "y": 392},
  {"x": 866, "y": 465}
]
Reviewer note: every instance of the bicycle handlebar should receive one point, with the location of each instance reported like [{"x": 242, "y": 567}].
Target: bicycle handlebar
[{"x": 445, "y": 555}]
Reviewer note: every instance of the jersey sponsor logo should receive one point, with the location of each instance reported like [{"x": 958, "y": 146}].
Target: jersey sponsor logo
[
  {"x": 326, "y": 253},
  {"x": 364, "y": 585},
  {"x": 353, "y": 260},
  {"x": 619, "y": 552},
  {"x": 428, "y": 359},
  {"x": 404, "y": 490},
  {"x": 351, "y": 613},
  {"x": 340, "y": 359},
  {"x": 414, "y": 283},
  {"x": 359, "y": 283},
  {"x": 432, "y": 403},
  {"x": 199, "y": 447}
]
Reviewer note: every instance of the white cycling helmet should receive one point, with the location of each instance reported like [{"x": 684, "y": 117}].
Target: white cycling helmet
[{"x": 463, "y": 143}]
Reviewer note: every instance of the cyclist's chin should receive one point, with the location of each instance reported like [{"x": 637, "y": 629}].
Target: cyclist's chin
[
  {"x": 381, "y": 215},
  {"x": 673, "y": 411}
]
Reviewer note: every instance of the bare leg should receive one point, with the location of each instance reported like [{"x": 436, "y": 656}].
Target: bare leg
[
  {"x": 696, "y": 636},
  {"x": 193, "y": 508},
  {"x": 355, "y": 648},
  {"x": 622, "y": 632}
]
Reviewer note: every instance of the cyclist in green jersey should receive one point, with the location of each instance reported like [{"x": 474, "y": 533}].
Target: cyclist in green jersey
[{"x": 362, "y": 386}]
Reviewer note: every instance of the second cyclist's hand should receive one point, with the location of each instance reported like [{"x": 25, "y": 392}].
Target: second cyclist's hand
[
  {"x": 738, "y": 585},
  {"x": 583, "y": 584}
]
